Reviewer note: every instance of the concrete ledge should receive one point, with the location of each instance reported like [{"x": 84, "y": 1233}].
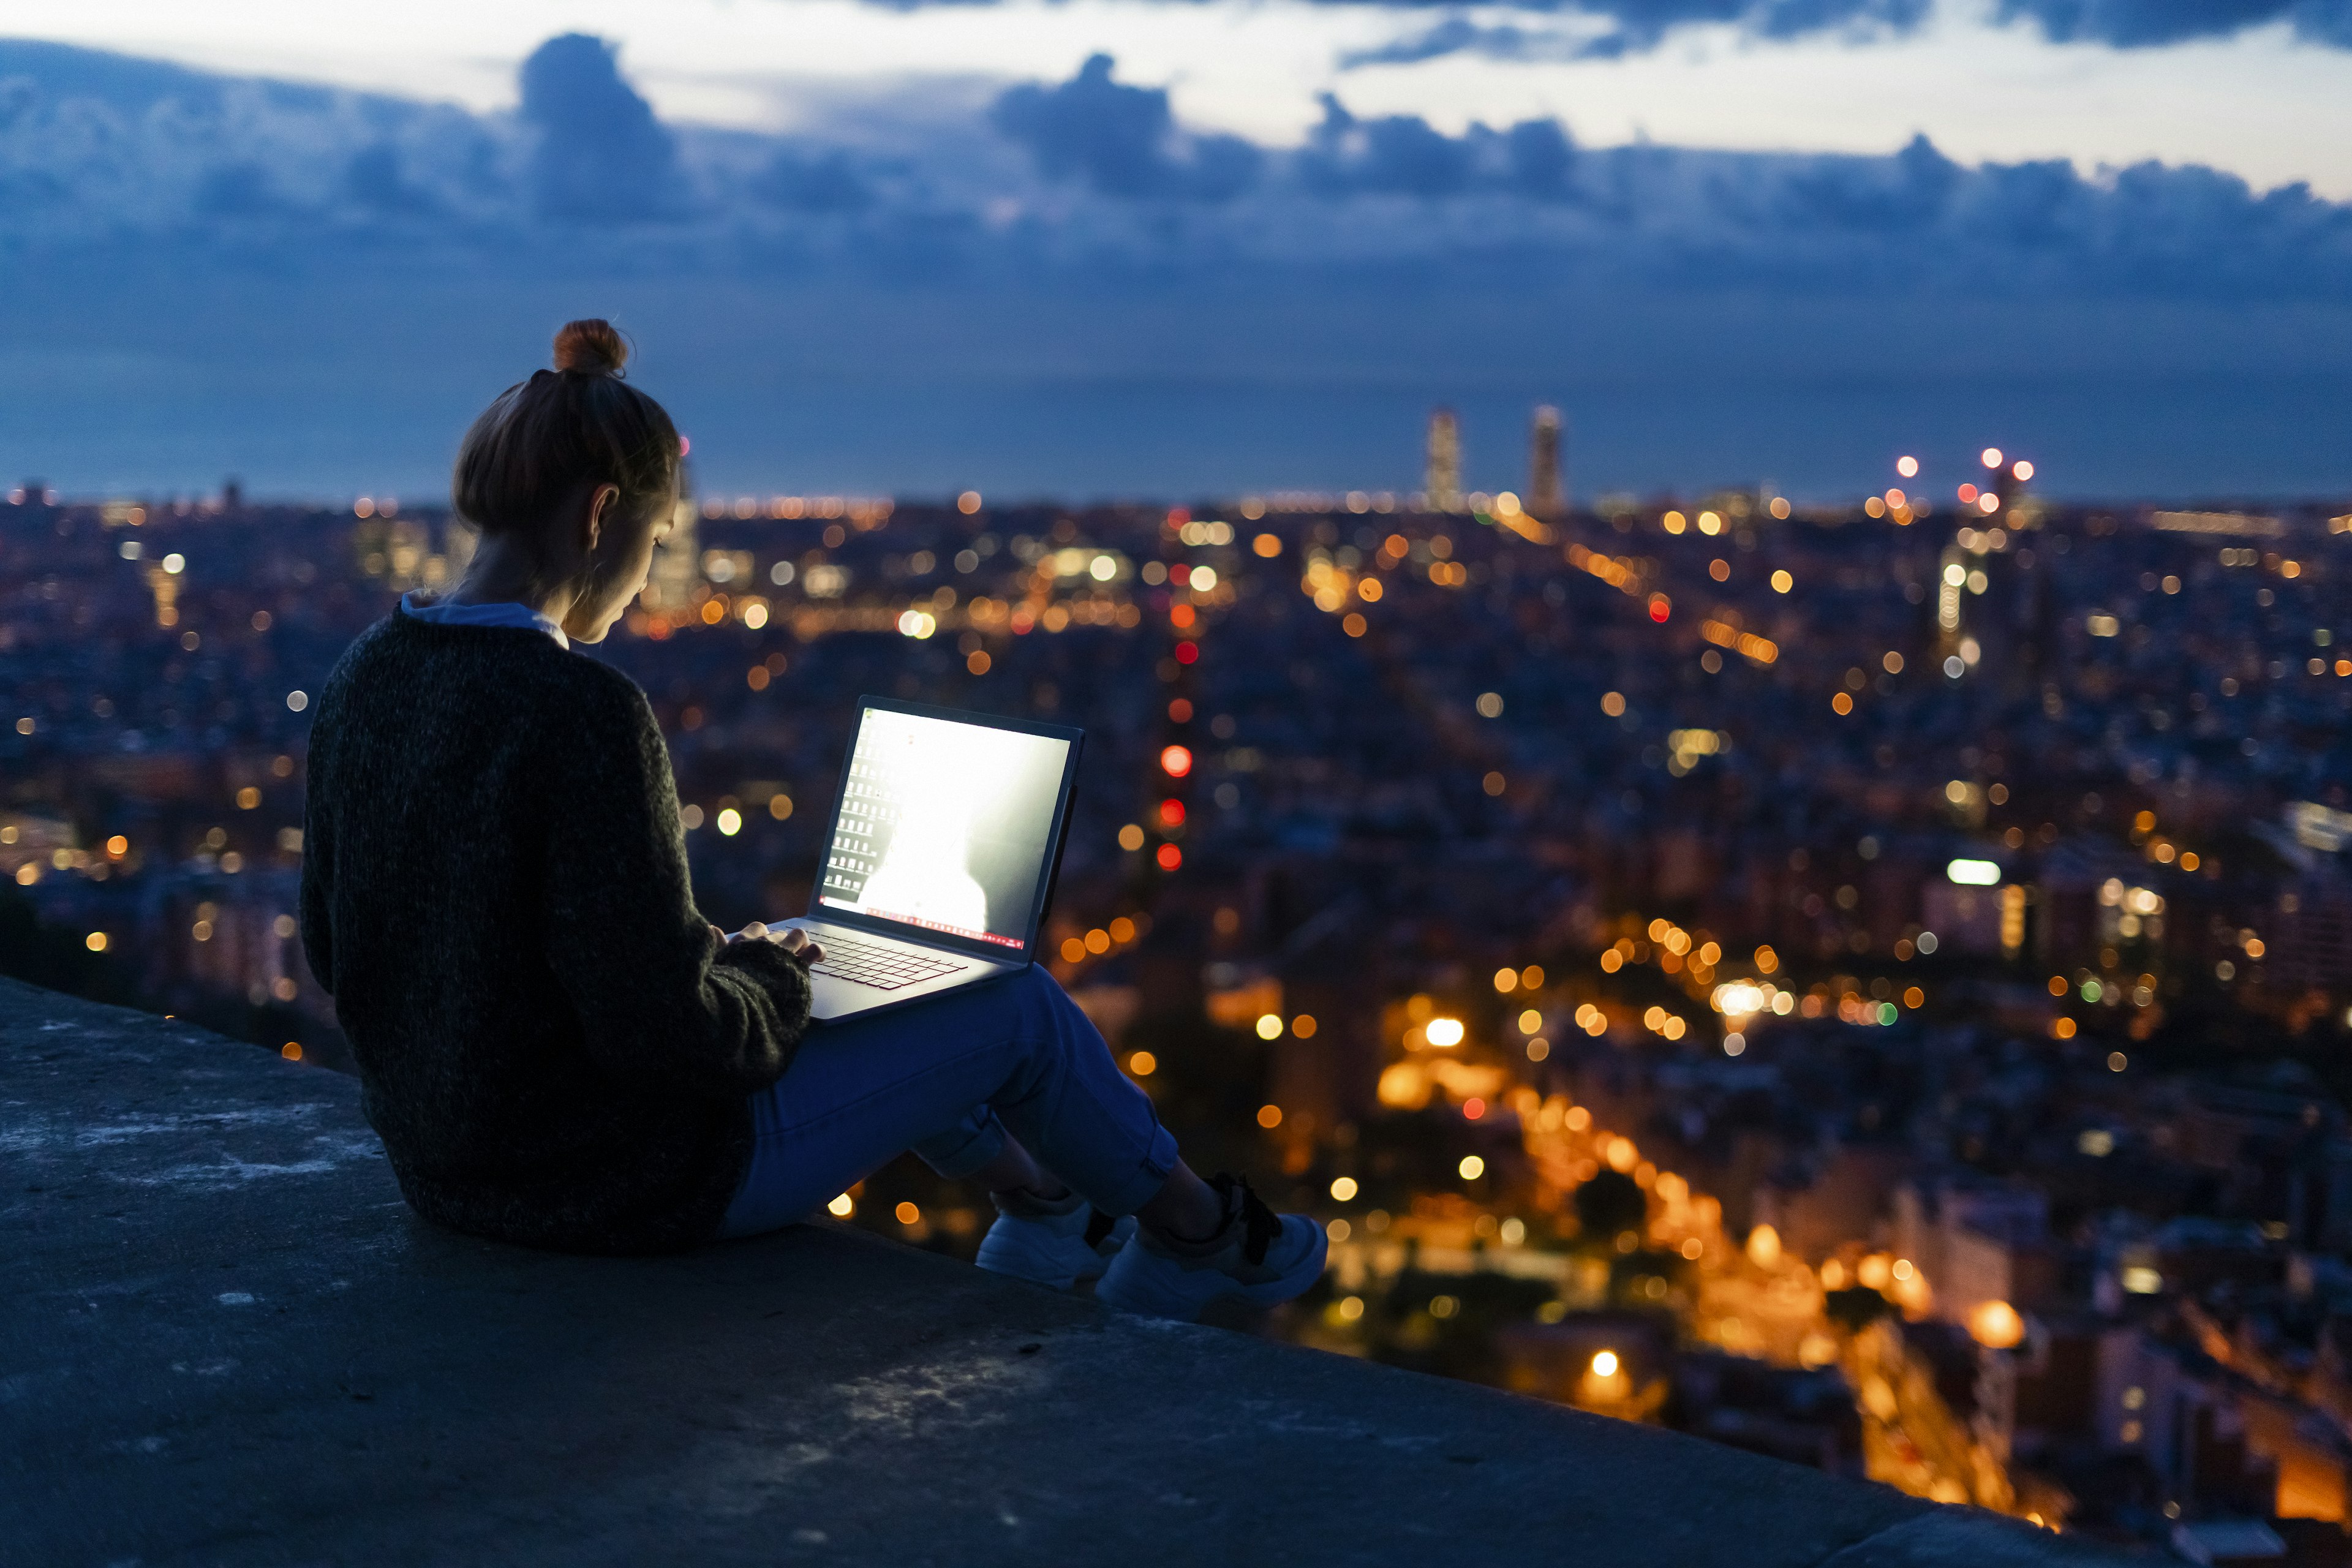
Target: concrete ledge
[{"x": 226, "y": 1340}]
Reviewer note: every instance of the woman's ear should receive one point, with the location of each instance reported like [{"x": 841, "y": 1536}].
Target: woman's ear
[{"x": 600, "y": 512}]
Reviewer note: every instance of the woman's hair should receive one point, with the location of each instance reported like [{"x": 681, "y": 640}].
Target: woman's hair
[{"x": 564, "y": 430}]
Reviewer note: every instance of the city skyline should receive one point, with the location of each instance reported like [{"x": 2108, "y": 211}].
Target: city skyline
[{"x": 1866, "y": 984}]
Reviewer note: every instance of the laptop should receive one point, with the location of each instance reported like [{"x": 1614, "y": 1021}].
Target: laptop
[{"x": 940, "y": 855}]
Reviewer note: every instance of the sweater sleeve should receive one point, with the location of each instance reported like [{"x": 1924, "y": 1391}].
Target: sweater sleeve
[
  {"x": 317, "y": 860},
  {"x": 658, "y": 996}
]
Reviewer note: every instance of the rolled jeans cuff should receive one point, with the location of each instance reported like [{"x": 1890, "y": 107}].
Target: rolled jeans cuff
[
  {"x": 969, "y": 1146},
  {"x": 1159, "y": 1162}
]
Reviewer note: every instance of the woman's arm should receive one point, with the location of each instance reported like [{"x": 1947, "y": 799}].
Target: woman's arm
[{"x": 660, "y": 997}]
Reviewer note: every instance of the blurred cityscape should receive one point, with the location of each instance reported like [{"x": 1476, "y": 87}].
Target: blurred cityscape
[{"x": 1867, "y": 983}]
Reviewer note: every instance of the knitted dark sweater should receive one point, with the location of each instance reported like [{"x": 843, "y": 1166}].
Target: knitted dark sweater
[{"x": 552, "y": 1044}]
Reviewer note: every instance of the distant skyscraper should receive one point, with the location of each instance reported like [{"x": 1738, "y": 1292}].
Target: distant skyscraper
[
  {"x": 1444, "y": 462},
  {"x": 1546, "y": 484}
]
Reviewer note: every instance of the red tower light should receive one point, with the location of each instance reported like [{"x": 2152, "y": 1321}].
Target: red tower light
[
  {"x": 1661, "y": 607},
  {"x": 1171, "y": 812},
  {"x": 1170, "y": 856},
  {"x": 1176, "y": 761}
]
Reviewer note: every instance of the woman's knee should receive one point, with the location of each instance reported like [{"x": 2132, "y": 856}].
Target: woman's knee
[
  {"x": 1057, "y": 1020},
  {"x": 1037, "y": 983}
]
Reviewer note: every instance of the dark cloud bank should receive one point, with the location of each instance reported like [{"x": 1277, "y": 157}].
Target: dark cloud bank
[
  {"x": 1617, "y": 27},
  {"x": 1075, "y": 291}
]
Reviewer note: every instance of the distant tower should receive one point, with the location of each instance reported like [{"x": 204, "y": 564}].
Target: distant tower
[
  {"x": 1444, "y": 462},
  {"x": 1547, "y": 487}
]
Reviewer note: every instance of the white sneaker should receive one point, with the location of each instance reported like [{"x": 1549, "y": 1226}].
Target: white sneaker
[
  {"x": 1050, "y": 1244},
  {"x": 1261, "y": 1256}
]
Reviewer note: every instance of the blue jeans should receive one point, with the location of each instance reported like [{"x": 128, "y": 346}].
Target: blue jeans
[{"x": 947, "y": 1077}]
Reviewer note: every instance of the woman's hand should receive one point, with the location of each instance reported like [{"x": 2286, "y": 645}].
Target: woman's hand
[{"x": 792, "y": 939}]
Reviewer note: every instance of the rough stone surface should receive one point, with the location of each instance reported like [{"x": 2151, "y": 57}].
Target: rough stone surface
[{"x": 224, "y": 1340}]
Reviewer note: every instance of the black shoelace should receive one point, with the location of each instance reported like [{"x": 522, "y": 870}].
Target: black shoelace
[{"x": 1260, "y": 1224}]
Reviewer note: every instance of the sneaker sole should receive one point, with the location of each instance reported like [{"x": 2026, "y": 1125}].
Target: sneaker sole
[
  {"x": 1184, "y": 1295},
  {"x": 1018, "y": 1263}
]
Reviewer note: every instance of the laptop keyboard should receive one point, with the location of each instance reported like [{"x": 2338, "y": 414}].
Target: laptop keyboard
[{"x": 883, "y": 968}]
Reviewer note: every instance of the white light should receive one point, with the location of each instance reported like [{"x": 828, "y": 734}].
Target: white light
[
  {"x": 1734, "y": 1043},
  {"x": 730, "y": 822},
  {"x": 1204, "y": 577},
  {"x": 1472, "y": 1167},
  {"x": 916, "y": 624},
  {"x": 1955, "y": 667},
  {"x": 1926, "y": 943},
  {"x": 1105, "y": 569},
  {"x": 1739, "y": 999},
  {"x": 1973, "y": 873},
  {"x": 1444, "y": 1031},
  {"x": 1991, "y": 457},
  {"x": 298, "y": 700},
  {"x": 176, "y": 564},
  {"x": 1604, "y": 1364},
  {"x": 2142, "y": 1280}
]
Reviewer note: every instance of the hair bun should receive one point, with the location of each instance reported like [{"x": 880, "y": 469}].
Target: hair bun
[{"x": 593, "y": 347}]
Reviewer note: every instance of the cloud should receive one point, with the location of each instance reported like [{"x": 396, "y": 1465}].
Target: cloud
[
  {"x": 1615, "y": 28},
  {"x": 1455, "y": 35},
  {"x": 602, "y": 156},
  {"x": 94, "y": 144},
  {"x": 1396, "y": 155},
  {"x": 374, "y": 180},
  {"x": 1540, "y": 157},
  {"x": 1611, "y": 29},
  {"x": 1873, "y": 195},
  {"x": 1122, "y": 140},
  {"x": 2142, "y": 24},
  {"x": 818, "y": 182},
  {"x": 1080, "y": 229},
  {"x": 1460, "y": 35},
  {"x": 1405, "y": 155},
  {"x": 240, "y": 191},
  {"x": 1643, "y": 23},
  {"x": 1090, "y": 174}
]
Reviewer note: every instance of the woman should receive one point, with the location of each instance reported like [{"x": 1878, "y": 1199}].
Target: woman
[{"x": 555, "y": 1047}]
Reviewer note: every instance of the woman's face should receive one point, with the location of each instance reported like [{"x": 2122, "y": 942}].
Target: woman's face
[{"x": 620, "y": 561}]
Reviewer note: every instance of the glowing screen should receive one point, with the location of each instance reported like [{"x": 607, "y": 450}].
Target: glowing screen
[{"x": 945, "y": 826}]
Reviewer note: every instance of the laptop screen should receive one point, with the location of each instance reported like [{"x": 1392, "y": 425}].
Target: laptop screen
[{"x": 945, "y": 826}]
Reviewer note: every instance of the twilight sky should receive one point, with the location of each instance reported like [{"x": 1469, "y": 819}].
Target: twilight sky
[{"x": 1179, "y": 248}]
